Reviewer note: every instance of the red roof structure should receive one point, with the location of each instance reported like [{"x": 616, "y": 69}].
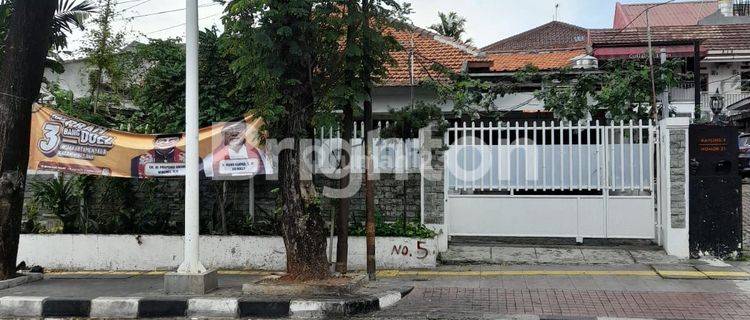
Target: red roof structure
[
  {"x": 553, "y": 60},
  {"x": 713, "y": 38},
  {"x": 555, "y": 35},
  {"x": 670, "y": 14},
  {"x": 429, "y": 49}
]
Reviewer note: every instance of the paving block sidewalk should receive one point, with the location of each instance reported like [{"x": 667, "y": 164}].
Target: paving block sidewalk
[{"x": 466, "y": 254}]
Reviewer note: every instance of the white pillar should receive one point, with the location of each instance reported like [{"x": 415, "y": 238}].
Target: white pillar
[
  {"x": 673, "y": 200},
  {"x": 191, "y": 263}
]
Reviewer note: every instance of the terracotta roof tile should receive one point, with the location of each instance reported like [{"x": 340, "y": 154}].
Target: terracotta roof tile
[
  {"x": 671, "y": 14},
  {"x": 555, "y": 35},
  {"x": 429, "y": 49},
  {"x": 543, "y": 60},
  {"x": 717, "y": 37}
]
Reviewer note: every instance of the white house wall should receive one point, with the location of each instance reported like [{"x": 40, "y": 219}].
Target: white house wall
[
  {"x": 75, "y": 78},
  {"x": 724, "y": 76},
  {"x": 387, "y": 98}
]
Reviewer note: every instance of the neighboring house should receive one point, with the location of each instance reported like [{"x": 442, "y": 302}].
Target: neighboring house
[
  {"x": 722, "y": 30},
  {"x": 549, "y": 47},
  {"x": 555, "y": 35},
  {"x": 422, "y": 49},
  {"x": 75, "y": 77},
  {"x": 668, "y": 14}
]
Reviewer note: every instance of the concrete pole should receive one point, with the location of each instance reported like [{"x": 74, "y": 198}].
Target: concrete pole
[
  {"x": 665, "y": 93},
  {"x": 191, "y": 263}
]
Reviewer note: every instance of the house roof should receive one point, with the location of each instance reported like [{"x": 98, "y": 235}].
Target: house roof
[
  {"x": 429, "y": 49},
  {"x": 670, "y": 14},
  {"x": 555, "y": 35},
  {"x": 716, "y": 37},
  {"x": 509, "y": 62}
]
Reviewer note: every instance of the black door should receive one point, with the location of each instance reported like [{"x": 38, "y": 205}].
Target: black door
[{"x": 715, "y": 194}]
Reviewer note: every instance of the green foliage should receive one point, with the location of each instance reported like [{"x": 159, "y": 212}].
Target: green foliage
[
  {"x": 70, "y": 14},
  {"x": 471, "y": 97},
  {"x": 570, "y": 101},
  {"x": 272, "y": 57},
  {"x": 622, "y": 89},
  {"x": 62, "y": 197},
  {"x": 452, "y": 26},
  {"x": 152, "y": 216},
  {"x": 102, "y": 48},
  {"x": 81, "y": 108},
  {"x": 407, "y": 121},
  {"x": 159, "y": 91},
  {"x": 408, "y": 229},
  {"x": 32, "y": 224}
]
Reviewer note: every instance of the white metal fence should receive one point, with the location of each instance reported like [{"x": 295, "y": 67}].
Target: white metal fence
[
  {"x": 391, "y": 155},
  {"x": 550, "y": 156}
]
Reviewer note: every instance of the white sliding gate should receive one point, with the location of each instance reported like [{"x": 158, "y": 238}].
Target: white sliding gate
[{"x": 551, "y": 179}]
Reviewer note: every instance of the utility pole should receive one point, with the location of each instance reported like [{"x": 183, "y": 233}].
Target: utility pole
[
  {"x": 654, "y": 114},
  {"x": 191, "y": 263},
  {"x": 665, "y": 93}
]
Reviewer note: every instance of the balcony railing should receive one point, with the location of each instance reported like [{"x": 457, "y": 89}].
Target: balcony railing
[{"x": 686, "y": 94}]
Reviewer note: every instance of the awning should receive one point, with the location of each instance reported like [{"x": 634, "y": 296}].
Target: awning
[{"x": 679, "y": 51}]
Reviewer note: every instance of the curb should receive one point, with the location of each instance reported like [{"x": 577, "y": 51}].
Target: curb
[
  {"x": 203, "y": 307},
  {"x": 22, "y": 279}
]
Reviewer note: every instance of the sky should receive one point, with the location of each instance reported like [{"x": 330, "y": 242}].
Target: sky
[{"x": 487, "y": 20}]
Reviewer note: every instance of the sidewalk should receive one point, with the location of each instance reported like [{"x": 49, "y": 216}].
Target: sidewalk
[
  {"x": 567, "y": 296},
  {"x": 508, "y": 254},
  {"x": 456, "y": 291}
]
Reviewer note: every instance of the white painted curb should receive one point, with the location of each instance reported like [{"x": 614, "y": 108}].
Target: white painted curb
[
  {"x": 213, "y": 307},
  {"x": 306, "y": 309},
  {"x": 21, "y": 306},
  {"x": 388, "y": 299},
  {"x": 108, "y": 307}
]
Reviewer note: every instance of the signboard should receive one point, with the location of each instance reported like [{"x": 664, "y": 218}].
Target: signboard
[{"x": 62, "y": 143}]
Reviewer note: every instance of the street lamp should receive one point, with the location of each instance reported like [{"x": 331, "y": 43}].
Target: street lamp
[{"x": 717, "y": 104}]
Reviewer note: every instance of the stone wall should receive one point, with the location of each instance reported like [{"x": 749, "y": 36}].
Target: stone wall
[
  {"x": 677, "y": 177},
  {"x": 434, "y": 190},
  {"x": 394, "y": 196}
]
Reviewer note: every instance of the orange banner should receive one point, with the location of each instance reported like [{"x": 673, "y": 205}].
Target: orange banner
[{"x": 62, "y": 143}]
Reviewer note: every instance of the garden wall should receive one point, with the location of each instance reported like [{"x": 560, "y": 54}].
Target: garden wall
[
  {"x": 156, "y": 206},
  {"x": 145, "y": 253}
]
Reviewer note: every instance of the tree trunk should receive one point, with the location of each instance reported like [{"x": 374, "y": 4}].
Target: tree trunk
[
  {"x": 20, "y": 80},
  {"x": 303, "y": 227},
  {"x": 342, "y": 228},
  {"x": 302, "y": 223},
  {"x": 369, "y": 165}
]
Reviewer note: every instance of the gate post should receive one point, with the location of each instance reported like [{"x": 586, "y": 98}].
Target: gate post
[
  {"x": 432, "y": 172},
  {"x": 672, "y": 176}
]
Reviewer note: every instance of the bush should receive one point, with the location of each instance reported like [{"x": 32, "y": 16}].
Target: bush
[{"x": 408, "y": 229}]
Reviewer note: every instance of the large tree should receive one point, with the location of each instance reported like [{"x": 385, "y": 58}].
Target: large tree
[
  {"x": 26, "y": 45},
  {"x": 304, "y": 59},
  {"x": 281, "y": 46},
  {"x": 358, "y": 70}
]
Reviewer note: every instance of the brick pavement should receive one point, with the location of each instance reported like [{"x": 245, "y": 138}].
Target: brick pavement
[{"x": 452, "y": 303}]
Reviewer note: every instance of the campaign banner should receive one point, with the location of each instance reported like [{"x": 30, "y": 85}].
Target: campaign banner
[{"x": 62, "y": 143}]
